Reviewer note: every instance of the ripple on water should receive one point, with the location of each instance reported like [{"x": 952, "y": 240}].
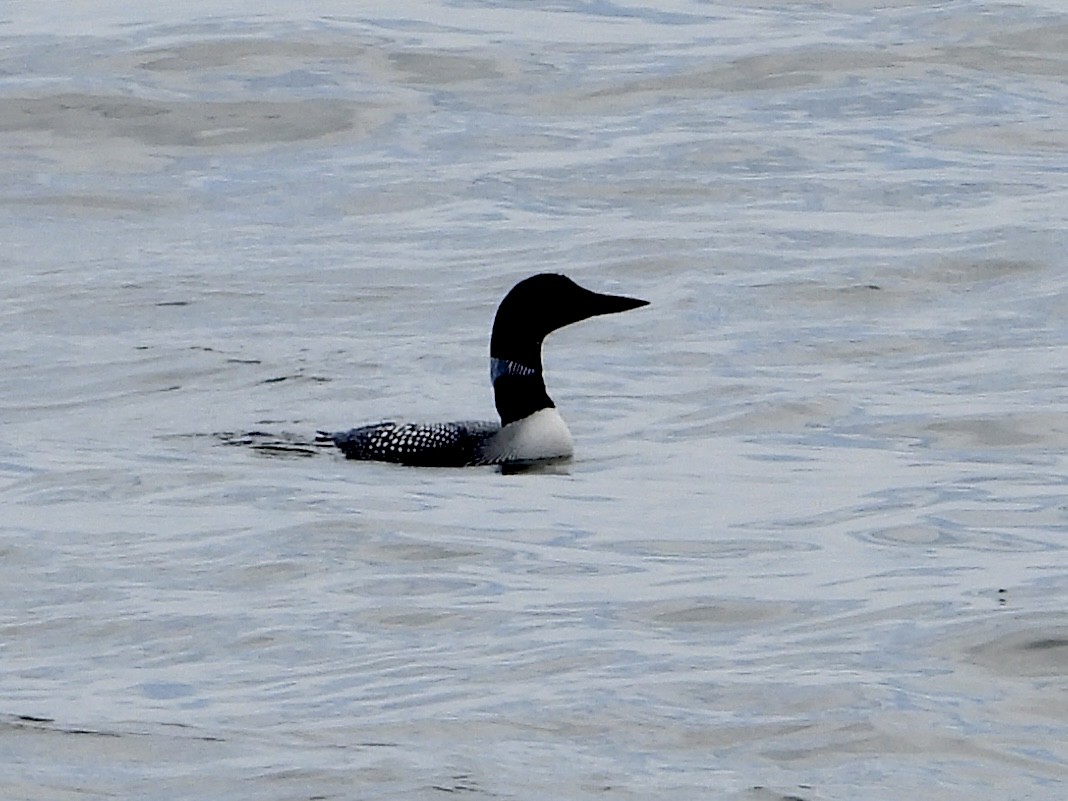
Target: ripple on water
[
  {"x": 715, "y": 549},
  {"x": 710, "y": 613},
  {"x": 950, "y": 534},
  {"x": 1018, "y": 647}
]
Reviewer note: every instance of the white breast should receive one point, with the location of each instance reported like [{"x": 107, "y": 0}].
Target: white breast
[{"x": 539, "y": 436}]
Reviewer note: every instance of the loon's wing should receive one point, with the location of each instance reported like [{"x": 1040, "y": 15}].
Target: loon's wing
[{"x": 458, "y": 444}]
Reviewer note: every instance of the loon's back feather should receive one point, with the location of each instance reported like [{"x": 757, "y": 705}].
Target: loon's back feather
[{"x": 456, "y": 444}]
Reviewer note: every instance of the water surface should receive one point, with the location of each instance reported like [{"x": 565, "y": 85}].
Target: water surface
[{"x": 812, "y": 545}]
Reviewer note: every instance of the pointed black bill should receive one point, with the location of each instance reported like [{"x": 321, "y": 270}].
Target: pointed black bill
[{"x": 598, "y": 304}]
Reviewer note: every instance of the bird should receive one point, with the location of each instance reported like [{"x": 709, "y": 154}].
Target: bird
[{"x": 531, "y": 430}]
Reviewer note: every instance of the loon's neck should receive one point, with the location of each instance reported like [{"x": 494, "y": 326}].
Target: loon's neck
[{"x": 518, "y": 388}]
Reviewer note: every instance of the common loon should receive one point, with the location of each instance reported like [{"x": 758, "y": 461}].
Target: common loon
[{"x": 531, "y": 431}]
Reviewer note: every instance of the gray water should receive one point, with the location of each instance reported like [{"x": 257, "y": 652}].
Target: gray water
[{"x": 812, "y": 545}]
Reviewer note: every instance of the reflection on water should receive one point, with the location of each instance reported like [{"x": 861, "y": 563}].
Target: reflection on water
[{"x": 812, "y": 541}]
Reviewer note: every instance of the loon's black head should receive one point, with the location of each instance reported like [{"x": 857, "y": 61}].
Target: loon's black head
[{"x": 532, "y": 309}]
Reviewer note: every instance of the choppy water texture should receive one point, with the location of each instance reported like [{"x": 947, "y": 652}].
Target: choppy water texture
[{"x": 813, "y": 544}]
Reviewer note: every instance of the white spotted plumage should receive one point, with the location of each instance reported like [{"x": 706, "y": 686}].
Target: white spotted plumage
[
  {"x": 542, "y": 436},
  {"x": 428, "y": 444}
]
